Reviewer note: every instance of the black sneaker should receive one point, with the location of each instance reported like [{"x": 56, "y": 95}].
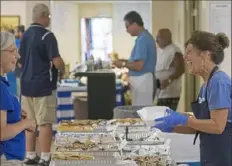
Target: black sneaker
[
  {"x": 34, "y": 161},
  {"x": 43, "y": 162}
]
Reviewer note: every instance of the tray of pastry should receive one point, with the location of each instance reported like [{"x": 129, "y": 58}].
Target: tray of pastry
[
  {"x": 84, "y": 126},
  {"x": 89, "y": 146},
  {"x": 150, "y": 160},
  {"x": 130, "y": 122},
  {"x": 73, "y": 158},
  {"x": 99, "y": 138}
]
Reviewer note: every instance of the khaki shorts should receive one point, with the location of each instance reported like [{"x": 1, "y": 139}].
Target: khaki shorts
[
  {"x": 5, "y": 162},
  {"x": 41, "y": 109}
]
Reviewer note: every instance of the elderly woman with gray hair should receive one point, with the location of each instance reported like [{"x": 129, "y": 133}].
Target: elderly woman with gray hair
[{"x": 13, "y": 121}]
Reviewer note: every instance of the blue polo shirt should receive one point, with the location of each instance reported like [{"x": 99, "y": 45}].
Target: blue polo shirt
[
  {"x": 145, "y": 50},
  {"x": 13, "y": 149},
  {"x": 38, "y": 47}
]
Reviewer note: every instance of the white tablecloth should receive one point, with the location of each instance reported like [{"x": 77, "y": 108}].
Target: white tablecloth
[{"x": 182, "y": 148}]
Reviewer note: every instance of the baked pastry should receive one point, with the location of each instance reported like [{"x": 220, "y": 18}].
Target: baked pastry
[
  {"x": 74, "y": 128},
  {"x": 148, "y": 160},
  {"x": 82, "y": 122},
  {"x": 131, "y": 121},
  {"x": 77, "y": 145}
]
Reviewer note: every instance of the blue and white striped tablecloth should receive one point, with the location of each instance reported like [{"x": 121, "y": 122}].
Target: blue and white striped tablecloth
[{"x": 65, "y": 108}]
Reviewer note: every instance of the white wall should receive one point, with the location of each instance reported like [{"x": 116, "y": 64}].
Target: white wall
[
  {"x": 88, "y": 10},
  {"x": 205, "y": 25},
  {"x": 66, "y": 26},
  {"x": 21, "y": 8},
  {"x": 14, "y": 8},
  {"x": 122, "y": 41},
  {"x": 169, "y": 14}
]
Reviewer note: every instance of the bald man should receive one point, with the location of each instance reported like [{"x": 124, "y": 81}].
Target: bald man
[{"x": 169, "y": 68}]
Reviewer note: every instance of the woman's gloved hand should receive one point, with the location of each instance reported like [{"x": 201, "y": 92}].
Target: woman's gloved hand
[{"x": 168, "y": 122}]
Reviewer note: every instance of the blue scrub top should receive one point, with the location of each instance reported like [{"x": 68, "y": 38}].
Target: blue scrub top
[
  {"x": 12, "y": 80},
  {"x": 13, "y": 149},
  {"x": 145, "y": 50},
  {"x": 218, "y": 93}
]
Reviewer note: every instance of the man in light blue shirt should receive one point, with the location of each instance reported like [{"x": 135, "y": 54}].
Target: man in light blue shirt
[{"x": 142, "y": 61}]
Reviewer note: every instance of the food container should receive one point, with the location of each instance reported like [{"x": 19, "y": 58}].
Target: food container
[{"x": 149, "y": 114}]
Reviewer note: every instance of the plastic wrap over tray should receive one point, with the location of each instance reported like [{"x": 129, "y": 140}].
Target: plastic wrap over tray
[
  {"x": 162, "y": 149},
  {"x": 142, "y": 138}
]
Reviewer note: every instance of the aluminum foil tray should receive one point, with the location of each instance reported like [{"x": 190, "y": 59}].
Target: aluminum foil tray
[
  {"x": 156, "y": 160},
  {"x": 71, "y": 163},
  {"x": 101, "y": 148},
  {"x": 133, "y": 128},
  {"x": 83, "y": 162},
  {"x": 151, "y": 143},
  {"x": 142, "y": 138},
  {"x": 67, "y": 138},
  {"x": 99, "y": 154},
  {"x": 102, "y": 127}
]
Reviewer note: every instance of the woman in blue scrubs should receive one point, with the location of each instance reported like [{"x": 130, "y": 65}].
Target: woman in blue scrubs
[
  {"x": 212, "y": 120},
  {"x": 12, "y": 136}
]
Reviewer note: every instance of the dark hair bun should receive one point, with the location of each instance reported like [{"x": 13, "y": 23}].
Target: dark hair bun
[{"x": 223, "y": 40}]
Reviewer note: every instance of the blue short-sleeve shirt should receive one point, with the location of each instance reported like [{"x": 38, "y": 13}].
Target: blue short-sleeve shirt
[
  {"x": 218, "y": 93},
  {"x": 145, "y": 50},
  {"x": 13, "y": 149},
  {"x": 37, "y": 49}
]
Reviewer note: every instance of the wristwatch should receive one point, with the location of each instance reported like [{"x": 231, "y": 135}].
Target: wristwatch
[{"x": 123, "y": 64}]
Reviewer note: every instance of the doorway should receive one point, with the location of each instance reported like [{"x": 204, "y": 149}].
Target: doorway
[
  {"x": 192, "y": 83},
  {"x": 96, "y": 38}
]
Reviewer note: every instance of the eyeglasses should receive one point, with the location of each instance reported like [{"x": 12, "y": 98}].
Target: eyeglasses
[{"x": 14, "y": 52}]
